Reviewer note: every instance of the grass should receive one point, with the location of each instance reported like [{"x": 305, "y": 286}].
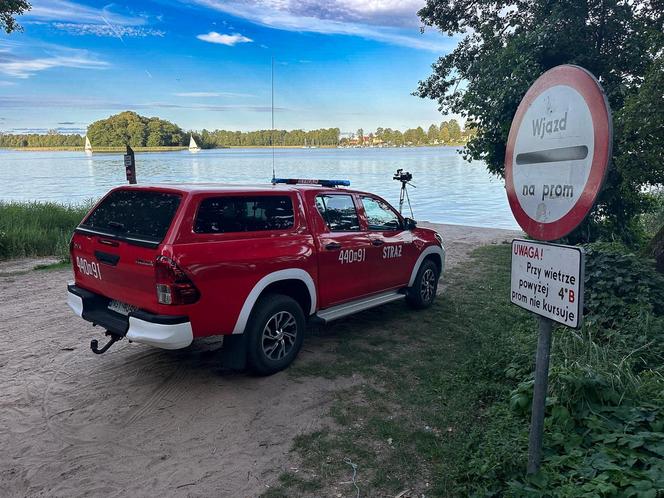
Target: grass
[
  {"x": 428, "y": 378},
  {"x": 443, "y": 408},
  {"x": 37, "y": 229},
  {"x": 60, "y": 265}
]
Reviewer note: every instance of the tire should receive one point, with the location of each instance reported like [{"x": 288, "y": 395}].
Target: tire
[
  {"x": 423, "y": 292},
  {"x": 275, "y": 333}
]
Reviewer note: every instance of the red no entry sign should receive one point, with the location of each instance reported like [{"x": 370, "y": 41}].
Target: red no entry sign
[{"x": 558, "y": 151}]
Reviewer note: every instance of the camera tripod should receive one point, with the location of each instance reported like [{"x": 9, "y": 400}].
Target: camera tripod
[{"x": 404, "y": 178}]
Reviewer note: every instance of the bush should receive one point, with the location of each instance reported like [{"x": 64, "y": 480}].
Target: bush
[
  {"x": 604, "y": 426},
  {"x": 620, "y": 287},
  {"x": 37, "y": 229},
  {"x": 654, "y": 220}
]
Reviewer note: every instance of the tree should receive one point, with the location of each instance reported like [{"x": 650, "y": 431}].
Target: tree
[
  {"x": 433, "y": 133},
  {"x": 360, "y": 135},
  {"x": 8, "y": 10},
  {"x": 507, "y": 45},
  {"x": 130, "y": 128},
  {"x": 444, "y": 134},
  {"x": 455, "y": 130}
]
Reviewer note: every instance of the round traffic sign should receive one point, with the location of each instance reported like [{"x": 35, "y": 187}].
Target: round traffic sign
[{"x": 558, "y": 151}]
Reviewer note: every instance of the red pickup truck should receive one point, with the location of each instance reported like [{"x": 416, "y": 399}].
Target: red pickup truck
[{"x": 165, "y": 264}]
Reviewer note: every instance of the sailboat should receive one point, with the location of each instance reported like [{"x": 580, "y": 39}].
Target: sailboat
[
  {"x": 88, "y": 146},
  {"x": 193, "y": 146}
]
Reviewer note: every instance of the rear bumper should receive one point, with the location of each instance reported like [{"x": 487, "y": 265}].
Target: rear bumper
[{"x": 162, "y": 331}]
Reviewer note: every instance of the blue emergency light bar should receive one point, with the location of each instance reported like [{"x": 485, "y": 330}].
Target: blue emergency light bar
[{"x": 305, "y": 181}]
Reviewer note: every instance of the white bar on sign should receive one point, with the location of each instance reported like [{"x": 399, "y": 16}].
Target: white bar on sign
[{"x": 547, "y": 279}]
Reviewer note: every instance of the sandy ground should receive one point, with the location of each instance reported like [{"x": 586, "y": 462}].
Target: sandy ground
[{"x": 140, "y": 421}]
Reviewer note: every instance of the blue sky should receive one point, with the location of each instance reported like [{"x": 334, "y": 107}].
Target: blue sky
[{"x": 206, "y": 64}]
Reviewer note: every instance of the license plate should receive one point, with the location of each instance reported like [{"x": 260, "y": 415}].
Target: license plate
[{"x": 122, "y": 308}]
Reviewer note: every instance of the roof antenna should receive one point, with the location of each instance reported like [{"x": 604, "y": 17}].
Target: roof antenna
[{"x": 272, "y": 131}]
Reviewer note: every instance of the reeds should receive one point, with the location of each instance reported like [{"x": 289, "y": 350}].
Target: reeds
[{"x": 38, "y": 228}]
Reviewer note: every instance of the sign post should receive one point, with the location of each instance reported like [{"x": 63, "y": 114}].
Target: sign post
[
  {"x": 556, "y": 159},
  {"x": 130, "y": 165},
  {"x": 539, "y": 394}
]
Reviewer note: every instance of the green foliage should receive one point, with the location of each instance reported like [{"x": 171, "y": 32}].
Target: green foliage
[
  {"x": 620, "y": 287},
  {"x": 9, "y": 9},
  {"x": 653, "y": 221},
  {"x": 507, "y": 45},
  {"x": 264, "y": 138},
  {"x": 51, "y": 139},
  {"x": 448, "y": 401},
  {"x": 129, "y": 128},
  {"x": 37, "y": 229},
  {"x": 138, "y": 131},
  {"x": 604, "y": 430}
]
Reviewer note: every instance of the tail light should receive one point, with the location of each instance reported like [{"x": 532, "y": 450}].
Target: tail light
[{"x": 173, "y": 285}]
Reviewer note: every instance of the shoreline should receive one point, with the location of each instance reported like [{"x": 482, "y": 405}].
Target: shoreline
[{"x": 121, "y": 150}]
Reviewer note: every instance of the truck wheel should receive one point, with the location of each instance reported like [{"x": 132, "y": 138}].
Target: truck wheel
[
  {"x": 423, "y": 291},
  {"x": 275, "y": 333}
]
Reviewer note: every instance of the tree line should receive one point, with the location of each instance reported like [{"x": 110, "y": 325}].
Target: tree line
[
  {"x": 130, "y": 128},
  {"x": 225, "y": 138},
  {"x": 448, "y": 133},
  {"x": 50, "y": 139}
]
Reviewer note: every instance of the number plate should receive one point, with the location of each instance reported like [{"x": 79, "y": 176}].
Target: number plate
[{"x": 122, "y": 308}]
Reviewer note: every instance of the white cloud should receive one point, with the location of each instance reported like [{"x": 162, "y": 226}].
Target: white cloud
[
  {"x": 23, "y": 66},
  {"x": 389, "y": 21},
  {"x": 64, "y": 10},
  {"x": 228, "y": 40},
  {"x": 82, "y": 102},
  {"x": 210, "y": 94},
  {"x": 107, "y": 30}
]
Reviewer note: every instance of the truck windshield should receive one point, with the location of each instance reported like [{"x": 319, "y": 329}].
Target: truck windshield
[{"x": 137, "y": 215}]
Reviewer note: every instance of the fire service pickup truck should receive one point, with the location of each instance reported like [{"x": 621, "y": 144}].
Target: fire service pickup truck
[{"x": 165, "y": 264}]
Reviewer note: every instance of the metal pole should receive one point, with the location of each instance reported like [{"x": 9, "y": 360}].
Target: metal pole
[{"x": 539, "y": 395}]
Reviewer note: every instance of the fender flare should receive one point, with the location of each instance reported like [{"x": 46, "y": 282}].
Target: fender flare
[
  {"x": 440, "y": 251},
  {"x": 261, "y": 285}
]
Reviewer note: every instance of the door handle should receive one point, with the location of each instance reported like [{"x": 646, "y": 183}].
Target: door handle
[
  {"x": 109, "y": 259},
  {"x": 331, "y": 246},
  {"x": 377, "y": 242}
]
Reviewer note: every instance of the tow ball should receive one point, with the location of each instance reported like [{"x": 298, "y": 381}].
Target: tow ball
[{"x": 94, "y": 345}]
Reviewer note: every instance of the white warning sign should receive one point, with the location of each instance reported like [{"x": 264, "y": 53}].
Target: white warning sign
[{"x": 547, "y": 279}]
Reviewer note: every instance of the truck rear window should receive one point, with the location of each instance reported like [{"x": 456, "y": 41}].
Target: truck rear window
[
  {"x": 134, "y": 214},
  {"x": 231, "y": 214}
]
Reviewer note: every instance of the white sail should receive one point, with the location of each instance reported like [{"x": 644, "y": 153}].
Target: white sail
[
  {"x": 193, "y": 146},
  {"x": 88, "y": 145}
]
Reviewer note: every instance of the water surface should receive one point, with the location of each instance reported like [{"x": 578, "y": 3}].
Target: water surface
[{"x": 448, "y": 189}]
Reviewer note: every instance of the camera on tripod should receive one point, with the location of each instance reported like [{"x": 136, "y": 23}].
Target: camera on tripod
[{"x": 402, "y": 176}]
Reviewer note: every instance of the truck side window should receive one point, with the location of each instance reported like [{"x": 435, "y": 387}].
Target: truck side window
[
  {"x": 379, "y": 215},
  {"x": 339, "y": 212},
  {"x": 244, "y": 214}
]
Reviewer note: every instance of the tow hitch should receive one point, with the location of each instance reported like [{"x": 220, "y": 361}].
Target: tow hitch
[{"x": 94, "y": 345}]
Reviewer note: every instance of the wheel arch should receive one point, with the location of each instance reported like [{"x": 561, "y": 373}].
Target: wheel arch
[
  {"x": 434, "y": 253},
  {"x": 293, "y": 282}
]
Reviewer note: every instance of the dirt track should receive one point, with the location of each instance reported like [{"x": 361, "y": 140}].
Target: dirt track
[{"x": 140, "y": 421}]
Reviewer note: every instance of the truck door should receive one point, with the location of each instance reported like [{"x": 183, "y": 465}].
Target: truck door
[
  {"x": 392, "y": 253},
  {"x": 343, "y": 249}
]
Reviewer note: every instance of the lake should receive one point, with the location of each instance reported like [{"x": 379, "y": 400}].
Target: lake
[{"x": 448, "y": 189}]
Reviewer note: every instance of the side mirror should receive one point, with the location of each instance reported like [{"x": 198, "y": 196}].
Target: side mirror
[{"x": 409, "y": 224}]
